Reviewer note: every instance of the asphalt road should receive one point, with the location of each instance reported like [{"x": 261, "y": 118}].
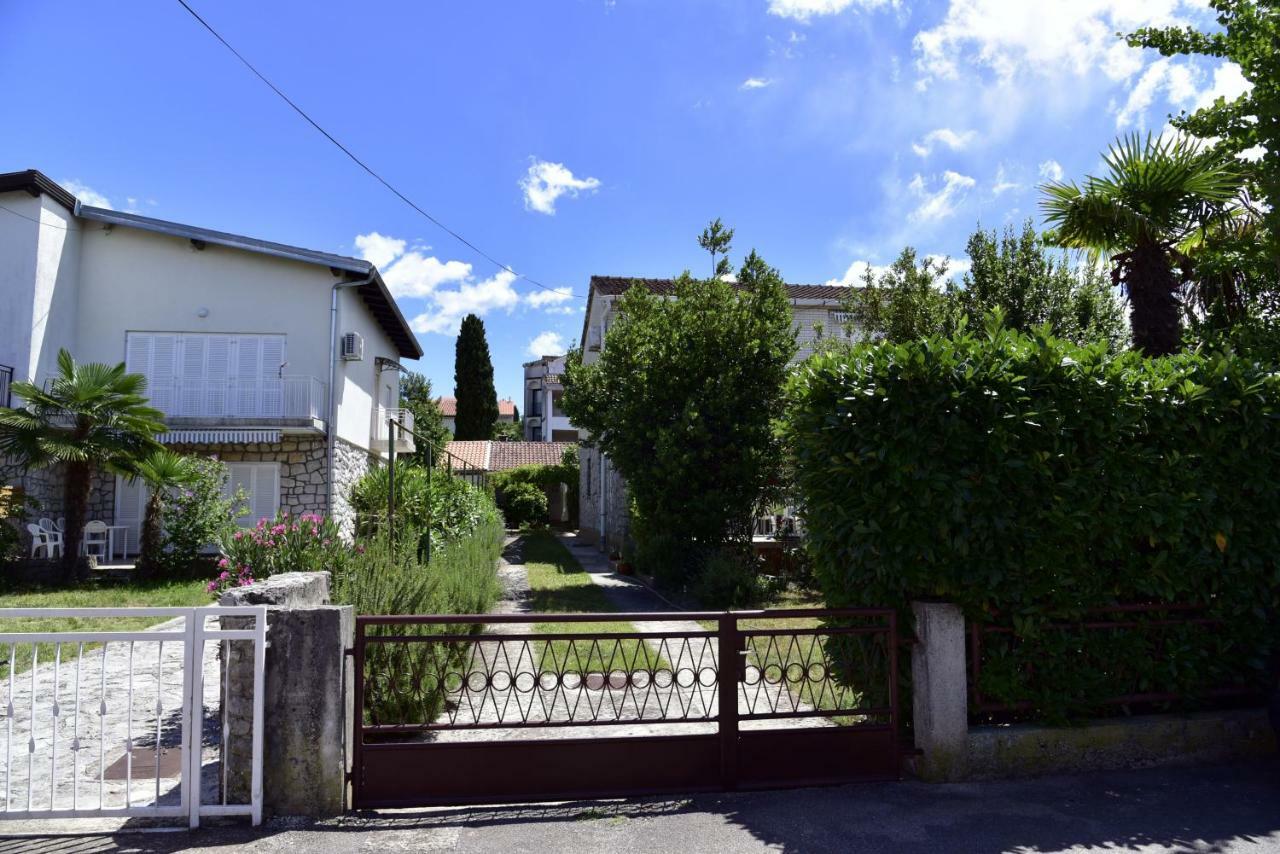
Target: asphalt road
[{"x": 1222, "y": 808}]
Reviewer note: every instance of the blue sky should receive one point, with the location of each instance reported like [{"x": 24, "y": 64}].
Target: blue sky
[{"x": 577, "y": 137}]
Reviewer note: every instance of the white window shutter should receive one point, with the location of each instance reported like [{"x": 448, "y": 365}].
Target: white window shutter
[
  {"x": 164, "y": 372},
  {"x": 138, "y": 347},
  {"x": 266, "y": 490},
  {"x": 191, "y": 390},
  {"x": 248, "y": 373},
  {"x": 217, "y": 373},
  {"x": 131, "y": 503},
  {"x": 272, "y": 375}
]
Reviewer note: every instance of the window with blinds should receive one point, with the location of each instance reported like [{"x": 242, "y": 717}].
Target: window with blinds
[{"x": 191, "y": 374}]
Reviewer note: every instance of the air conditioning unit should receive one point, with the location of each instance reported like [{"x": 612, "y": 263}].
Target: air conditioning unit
[{"x": 352, "y": 347}]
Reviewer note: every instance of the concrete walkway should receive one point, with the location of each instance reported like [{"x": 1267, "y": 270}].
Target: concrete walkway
[{"x": 1225, "y": 808}]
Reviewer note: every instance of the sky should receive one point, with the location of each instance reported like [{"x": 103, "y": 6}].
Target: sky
[{"x": 567, "y": 138}]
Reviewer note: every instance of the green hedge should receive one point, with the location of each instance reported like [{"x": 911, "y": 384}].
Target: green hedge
[
  {"x": 434, "y": 500},
  {"x": 508, "y": 483},
  {"x": 1030, "y": 480}
]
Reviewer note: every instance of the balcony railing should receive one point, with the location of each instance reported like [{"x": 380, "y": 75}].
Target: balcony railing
[
  {"x": 6, "y": 380},
  {"x": 404, "y": 440},
  {"x": 269, "y": 398}
]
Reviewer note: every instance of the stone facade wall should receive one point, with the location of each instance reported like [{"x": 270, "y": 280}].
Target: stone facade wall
[
  {"x": 302, "y": 467},
  {"x": 46, "y": 485},
  {"x": 599, "y": 482},
  {"x": 350, "y": 464}
]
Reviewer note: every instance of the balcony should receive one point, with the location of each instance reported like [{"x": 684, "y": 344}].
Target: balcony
[
  {"x": 404, "y": 440},
  {"x": 287, "y": 401}
]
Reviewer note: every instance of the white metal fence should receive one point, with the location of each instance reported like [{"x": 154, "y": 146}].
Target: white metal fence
[{"x": 117, "y": 723}]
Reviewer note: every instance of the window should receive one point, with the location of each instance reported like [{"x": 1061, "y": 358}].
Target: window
[
  {"x": 555, "y": 404},
  {"x": 196, "y": 374},
  {"x": 261, "y": 485}
]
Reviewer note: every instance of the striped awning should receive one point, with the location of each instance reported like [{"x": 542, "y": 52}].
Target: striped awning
[{"x": 217, "y": 437}]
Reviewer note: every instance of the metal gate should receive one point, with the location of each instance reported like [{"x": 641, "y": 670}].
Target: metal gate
[{"x": 483, "y": 709}]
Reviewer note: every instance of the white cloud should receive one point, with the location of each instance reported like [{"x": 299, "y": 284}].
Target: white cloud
[
  {"x": 1227, "y": 83},
  {"x": 1003, "y": 183},
  {"x": 755, "y": 83},
  {"x": 1176, "y": 80},
  {"x": 857, "y": 272},
  {"x": 956, "y": 141},
  {"x": 547, "y": 344},
  {"x": 449, "y": 307},
  {"x": 416, "y": 275},
  {"x": 86, "y": 194},
  {"x": 1049, "y": 37},
  {"x": 1051, "y": 170},
  {"x": 803, "y": 10},
  {"x": 542, "y": 299},
  {"x": 941, "y": 203},
  {"x": 956, "y": 267},
  {"x": 545, "y": 182},
  {"x": 378, "y": 249}
]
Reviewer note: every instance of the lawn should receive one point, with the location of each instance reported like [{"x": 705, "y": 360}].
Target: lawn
[
  {"x": 559, "y": 584},
  {"x": 163, "y": 594}
]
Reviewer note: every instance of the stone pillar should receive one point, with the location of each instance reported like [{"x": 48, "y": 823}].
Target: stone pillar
[
  {"x": 940, "y": 691},
  {"x": 306, "y": 710}
]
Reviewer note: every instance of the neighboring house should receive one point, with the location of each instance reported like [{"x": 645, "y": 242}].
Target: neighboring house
[
  {"x": 544, "y": 420},
  {"x": 483, "y": 457},
  {"x": 816, "y": 313},
  {"x": 449, "y": 412},
  {"x": 241, "y": 341}
]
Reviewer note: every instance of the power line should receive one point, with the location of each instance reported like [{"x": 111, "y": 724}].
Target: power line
[
  {"x": 384, "y": 182},
  {"x": 37, "y": 221}
]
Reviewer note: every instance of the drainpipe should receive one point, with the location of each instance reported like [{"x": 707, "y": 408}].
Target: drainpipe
[{"x": 333, "y": 382}]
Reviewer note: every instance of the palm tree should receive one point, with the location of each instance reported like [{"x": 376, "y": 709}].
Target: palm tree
[
  {"x": 1160, "y": 199},
  {"x": 90, "y": 417},
  {"x": 161, "y": 470}
]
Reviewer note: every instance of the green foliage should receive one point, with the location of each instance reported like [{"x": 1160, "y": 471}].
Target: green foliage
[
  {"x": 447, "y": 507},
  {"x": 543, "y": 477},
  {"x": 506, "y": 431},
  {"x": 473, "y": 382},
  {"x": 903, "y": 302},
  {"x": 1028, "y": 479},
  {"x": 681, "y": 400},
  {"x": 1238, "y": 277},
  {"x": 162, "y": 470},
  {"x": 91, "y": 417},
  {"x": 15, "y": 511},
  {"x": 717, "y": 240},
  {"x": 1015, "y": 273},
  {"x": 306, "y": 543},
  {"x": 524, "y": 504},
  {"x": 730, "y": 578},
  {"x": 382, "y": 578},
  {"x": 416, "y": 396},
  {"x": 198, "y": 516},
  {"x": 1148, "y": 214}
]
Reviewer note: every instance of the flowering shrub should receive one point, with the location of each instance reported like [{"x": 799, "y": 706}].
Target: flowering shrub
[
  {"x": 229, "y": 577},
  {"x": 306, "y": 543},
  {"x": 198, "y": 515}
]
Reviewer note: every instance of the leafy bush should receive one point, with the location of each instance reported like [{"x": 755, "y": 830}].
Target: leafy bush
[
  {"x": 730, "y": 579},
  {"x": 524, "y": 504},
  {"x": 306, "y": 543},
  {"x": 1029, "y": 480},
  {"x": 382, "y": 578},
  {"x": 547, "y": 477},
  {"x": 198, "y": 515},
  {"x": 426, "y": 501}
]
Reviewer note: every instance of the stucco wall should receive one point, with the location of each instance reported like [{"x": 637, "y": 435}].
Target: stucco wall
[{"x": 360, "y": 386}]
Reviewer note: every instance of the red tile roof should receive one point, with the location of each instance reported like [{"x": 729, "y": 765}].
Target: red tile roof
[
  {"x": 501, "y": 456},
  {"x": 613, "y": 285},
  {"x": 449, "y": 407}
]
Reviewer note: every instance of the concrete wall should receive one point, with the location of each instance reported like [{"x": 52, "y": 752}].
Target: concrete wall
[{"x": 307, "y": 701}]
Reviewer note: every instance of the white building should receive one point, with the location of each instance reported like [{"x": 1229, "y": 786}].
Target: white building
[
  {"x": 815, "y": 312},
  {"x": 241, "y": 341},
  {"x": 544, "y": 420}
]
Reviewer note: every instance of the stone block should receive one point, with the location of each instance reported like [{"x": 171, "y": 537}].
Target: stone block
[{"x": 940, "y": 691}]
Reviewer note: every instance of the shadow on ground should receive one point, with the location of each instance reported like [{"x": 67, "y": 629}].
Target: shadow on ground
[{"x": 1205, "y": 809}]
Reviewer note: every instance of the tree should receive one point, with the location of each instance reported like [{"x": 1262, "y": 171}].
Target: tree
[
  {"x": 1238, "y": 274},
  {"x": 717, "y": 240},
  {"x": 416, "y": 396},
  {"x": 473, "y": 382},
  {"x": 682, "y": 400},
  {"x": 161, "y": 470},
  {"x": 1158, "y": 201},
  {"x": 507, "y": 431},
  {"x": 904, "y": 302},
  {"x": 1016, "y": 273},
  {"x": 92, "y": 417}
]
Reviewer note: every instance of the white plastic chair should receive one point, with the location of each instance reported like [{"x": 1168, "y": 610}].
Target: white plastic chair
[
  {"x": 96, "y": 540},
  {"x": 54, "y": 534},
  {"x": 40, "y": 539},
  {"x": 61, "y": 524}
]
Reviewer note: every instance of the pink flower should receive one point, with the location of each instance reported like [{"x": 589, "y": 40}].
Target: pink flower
[
  {"x": 224, "y": 575},
  {"x": 239, "y": 535},
  {"x": 223, "y": 563}
]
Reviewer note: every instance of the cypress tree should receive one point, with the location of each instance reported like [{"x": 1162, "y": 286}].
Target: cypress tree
[{"x": 473, "y": 382}]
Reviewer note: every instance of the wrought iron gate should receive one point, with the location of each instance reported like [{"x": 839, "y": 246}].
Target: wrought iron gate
[{"x": 471, "y": 709}]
